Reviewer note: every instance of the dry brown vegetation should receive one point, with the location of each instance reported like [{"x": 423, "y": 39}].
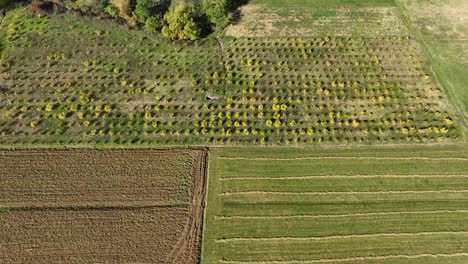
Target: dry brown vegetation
[
  {"x": 83, "y": 206},
  {"x": 264, "y": 21}
]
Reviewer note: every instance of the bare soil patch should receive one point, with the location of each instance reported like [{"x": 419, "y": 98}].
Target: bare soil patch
[
  {"x": 87, "y": 206},
  {"x": 263, "y": 21}
]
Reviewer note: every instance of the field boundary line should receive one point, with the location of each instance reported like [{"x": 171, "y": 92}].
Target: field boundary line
[
  {"x": 352, "y": 192},
  {"x": 428, "y": 233},
  {"x": 383, "y": 257},
  {"x": 220, "y": 217},
  {"x": 276, "y": 178},
  {"x": 341, "y": 157}
]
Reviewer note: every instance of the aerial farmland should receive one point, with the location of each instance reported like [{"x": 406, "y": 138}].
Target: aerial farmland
[{"x": 234, "y": 131}]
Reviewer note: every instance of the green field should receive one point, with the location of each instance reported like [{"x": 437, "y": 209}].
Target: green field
[
  {"x": 362, "y": 205},
  {"x": 441, "y": 28},
  {"x": 120, "y": 87}
]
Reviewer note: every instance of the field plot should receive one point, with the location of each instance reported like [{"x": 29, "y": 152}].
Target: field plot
[
  {"x": 112, "y": 85},
  {"x": 318, "y": 18},
  {"x": 333, "y": 89},
  {"x": 123, "y": 87},
  {"x": 76, "y": 206},
  {"x": 443, "y": 28},
  {"x": 366, "y": 205}
]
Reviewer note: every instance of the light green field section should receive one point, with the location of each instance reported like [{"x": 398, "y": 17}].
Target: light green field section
[
  {"x": 442, "y": 27},
  {"x": 367, "y": 205},
  {"x": 324, "y": 3},
  {"x": 318, "y": 17}
]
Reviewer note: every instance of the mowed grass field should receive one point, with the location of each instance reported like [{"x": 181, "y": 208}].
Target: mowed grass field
[
  {"x": 88, "y": 206},
  {"x": 442, "y": 28},
  {"x": 361, "y": 205}
]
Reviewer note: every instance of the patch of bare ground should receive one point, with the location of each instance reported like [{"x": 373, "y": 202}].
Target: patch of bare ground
[
  {"x": 452, "y": 18},
  {"x": 262, "y": 21},
  {"x": 90, "y": 206}
]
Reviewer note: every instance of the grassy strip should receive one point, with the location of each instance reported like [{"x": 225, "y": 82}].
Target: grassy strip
[
  {"x": 451, "y": 75},
  {"x": 440, "y": 151},
  {"x": 324, "y": 208},
  {"x": 343, "y": 184},
  {"x": 304, "y": 227},
  {"x": 343, "y": 248},
  {"x": 236, "y": 168},
  {"x": 324, "y": 3}
]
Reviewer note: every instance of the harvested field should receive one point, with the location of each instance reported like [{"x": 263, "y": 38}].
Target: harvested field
[
  {"x": 86, "y": 206},
  {"x": 367, "y": 205},
  {"x": 91, "y": 236},
  {"x": 95, "y": 178}
]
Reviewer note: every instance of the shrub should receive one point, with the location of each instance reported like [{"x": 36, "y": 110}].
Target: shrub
[
  {"x": 112, "y": 11},
  {"x": 217, "y": 11},
  {"x": 154, "y": 9},
  {"x": 180, "y": 23},
  {"x": 154, "y": 23},
  {"x": 125, "y": 9}
]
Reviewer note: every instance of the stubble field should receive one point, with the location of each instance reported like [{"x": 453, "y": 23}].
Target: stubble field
[{"x": 75, "y": 206}]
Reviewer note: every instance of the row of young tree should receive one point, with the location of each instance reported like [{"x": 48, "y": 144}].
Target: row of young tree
[{"x": 176, "y": 20}]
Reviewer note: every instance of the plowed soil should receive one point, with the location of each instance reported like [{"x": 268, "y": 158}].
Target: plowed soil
[{"x": 87, "y": 206}]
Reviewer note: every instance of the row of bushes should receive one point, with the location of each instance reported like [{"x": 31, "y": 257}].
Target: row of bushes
[{"x": 188, "y": 20}]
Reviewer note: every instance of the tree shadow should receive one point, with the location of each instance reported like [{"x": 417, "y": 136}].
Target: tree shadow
[{"x": 236, "y": 13}]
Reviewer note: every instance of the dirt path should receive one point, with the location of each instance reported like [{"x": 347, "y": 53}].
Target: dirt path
[{"x": 188, "y": 248}]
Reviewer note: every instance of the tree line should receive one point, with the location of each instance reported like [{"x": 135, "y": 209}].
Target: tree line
[{"x": 176, "y": 20}]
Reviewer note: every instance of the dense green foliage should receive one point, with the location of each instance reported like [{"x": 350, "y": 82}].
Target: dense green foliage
[
  {"x": 151, "y": 12},
  {"x": 217, "y": 11},
  {"x": 181, "y": 23},
  {"x": 120, "y": 86}
]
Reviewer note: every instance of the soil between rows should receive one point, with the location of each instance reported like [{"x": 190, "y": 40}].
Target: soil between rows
[{"x": 88, "y": 206}]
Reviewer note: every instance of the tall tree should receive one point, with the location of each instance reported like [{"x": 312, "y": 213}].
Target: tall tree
[
  {"x": 145, "y": 9},
  {"x": 217, "y": 11},
  {"x": 181, "y": 24}
]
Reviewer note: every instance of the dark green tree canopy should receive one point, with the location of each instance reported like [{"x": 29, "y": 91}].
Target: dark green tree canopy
[
  {"x": 217, "y": 11},
  {"x": 145, "y": 9}
]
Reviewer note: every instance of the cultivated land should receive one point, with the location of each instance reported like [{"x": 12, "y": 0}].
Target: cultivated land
[
  {"x": 288, "y": 72},
  {"x": 120, "y": 87},
  {"x": 364, "y": 205},
  {"x": 443, "y": 29},
  {"x": 75, "y": 206}
]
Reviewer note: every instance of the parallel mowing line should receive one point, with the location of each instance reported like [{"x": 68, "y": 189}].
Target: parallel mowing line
[
  {"x": 344, "y": 176},
  {"x": 351, "y": 259},
  {"x": 333, "y": 193},
  {"x": 338, "y": 215},
  {"x": 344, "y": 158},
  {"x": 246, "y": 239}
]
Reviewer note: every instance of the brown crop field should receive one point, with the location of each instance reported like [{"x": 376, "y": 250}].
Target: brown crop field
[{"x": 95, "y": 206}]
